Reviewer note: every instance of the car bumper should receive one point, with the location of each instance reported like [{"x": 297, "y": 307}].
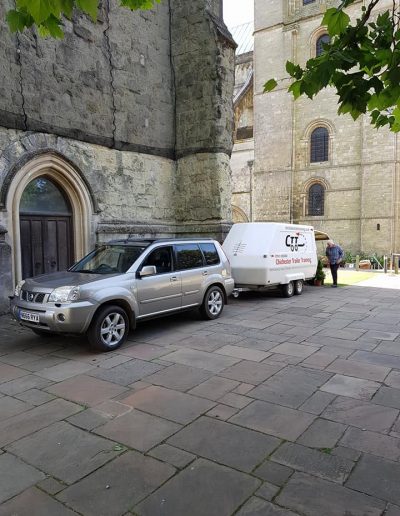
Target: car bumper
[
  {"x": 67, "y": 318},
  {"x": 229, "y": 286}
]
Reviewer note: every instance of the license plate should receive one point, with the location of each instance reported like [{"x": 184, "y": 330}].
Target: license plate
[{"x": 28, "y": 316}]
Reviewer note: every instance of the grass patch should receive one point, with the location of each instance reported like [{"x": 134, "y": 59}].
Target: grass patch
[{"x": 346, "y": 277}]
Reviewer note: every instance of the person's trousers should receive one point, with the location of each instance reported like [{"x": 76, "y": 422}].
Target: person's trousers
[{"x": 334, "y": 269}]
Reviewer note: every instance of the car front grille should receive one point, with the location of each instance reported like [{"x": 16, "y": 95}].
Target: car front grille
[{"x": 32, "y": 297}]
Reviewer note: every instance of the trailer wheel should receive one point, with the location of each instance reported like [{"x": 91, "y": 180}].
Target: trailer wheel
[
  {"x": 288, "y": 289},
  {"x": 298, "y": 287}
]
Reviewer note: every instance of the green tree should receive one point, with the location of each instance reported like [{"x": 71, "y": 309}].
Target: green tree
[
  {"x": 47, "y": 15},
  {"x": 361, "y": 62}
]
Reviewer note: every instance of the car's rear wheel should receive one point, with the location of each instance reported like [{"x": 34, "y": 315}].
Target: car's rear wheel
[
  {"x": 213, "y": 303},
  {"x": 298, "y": 287},
  {"x": 287, "y": 289},
  {"x": 109, "y": 328}
]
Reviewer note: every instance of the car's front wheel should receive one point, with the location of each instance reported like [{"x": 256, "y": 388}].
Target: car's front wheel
[
  {"x": 109, "y": 328},
  {"x": 213, "y": 303}
]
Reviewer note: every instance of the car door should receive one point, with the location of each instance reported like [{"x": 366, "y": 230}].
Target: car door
[
  {"x": 190, "y": 264},
  {"x": 161, "y": 292}
]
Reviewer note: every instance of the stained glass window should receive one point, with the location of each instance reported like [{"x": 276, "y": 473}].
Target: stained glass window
[
  {"x": 43, "y": 196},
  {"x": 316, "y": 195}
]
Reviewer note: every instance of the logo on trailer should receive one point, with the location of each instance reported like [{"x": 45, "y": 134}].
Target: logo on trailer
[{"x": 296, "y": 241}]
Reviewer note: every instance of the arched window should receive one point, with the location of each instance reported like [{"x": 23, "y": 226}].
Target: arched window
[
  {"x": 319, "y": 45},
  {"x": 316, "y": 197},
  {"x": 319, "y": 145}
]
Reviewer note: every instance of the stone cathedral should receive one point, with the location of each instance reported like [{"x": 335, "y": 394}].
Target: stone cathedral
[
  {"x": 298, "y": 160},
  {"x": 122, "y": 128}
]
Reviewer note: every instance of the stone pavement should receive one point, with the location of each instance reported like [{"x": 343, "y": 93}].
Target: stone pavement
[{"x": 281, "y": 407}]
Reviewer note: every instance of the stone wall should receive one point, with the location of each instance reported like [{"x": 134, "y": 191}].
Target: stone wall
[{"x": 108, "y": 83}]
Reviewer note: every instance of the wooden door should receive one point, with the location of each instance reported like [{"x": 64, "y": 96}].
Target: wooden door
[{"x": 46, "y": 244}]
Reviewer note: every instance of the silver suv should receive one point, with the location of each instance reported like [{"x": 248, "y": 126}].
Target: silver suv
[{"x": 123, "y": 282}]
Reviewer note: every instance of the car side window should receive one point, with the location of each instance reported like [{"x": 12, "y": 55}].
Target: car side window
[
  {"x": 161, "y": 258},
  {"x": 188, "y": 256},
  {"x": 210, "y": 254}
]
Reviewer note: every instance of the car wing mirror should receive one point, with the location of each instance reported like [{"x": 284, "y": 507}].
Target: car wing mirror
[{"x": 148, "y": 270}]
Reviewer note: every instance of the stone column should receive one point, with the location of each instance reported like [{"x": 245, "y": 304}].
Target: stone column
[
  {"x": 203, "y": 65},
  {"x": 6, "y": 283}
]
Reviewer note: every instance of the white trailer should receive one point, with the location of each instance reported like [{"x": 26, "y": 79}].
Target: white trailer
[{"x": 269, "y": 254}]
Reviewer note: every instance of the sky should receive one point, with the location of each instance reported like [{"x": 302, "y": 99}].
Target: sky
[{"x": 237, "y": 12}]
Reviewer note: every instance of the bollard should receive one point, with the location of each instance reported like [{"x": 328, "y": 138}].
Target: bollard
[
  {"x": 357, "y": 262},
  {"x": 385, "y": 264},
  {"x": 396, "y": 265}
]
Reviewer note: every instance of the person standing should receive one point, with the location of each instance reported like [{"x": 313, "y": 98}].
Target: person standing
[{"x": 335, "y": 255}]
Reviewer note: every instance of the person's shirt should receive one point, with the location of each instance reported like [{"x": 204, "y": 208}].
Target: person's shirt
[{"x": 334, "y": 253}]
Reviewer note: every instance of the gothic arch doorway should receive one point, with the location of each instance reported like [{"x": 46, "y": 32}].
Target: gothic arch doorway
[
  {"x": 47, "y": 196},
  {"x": 45, "y": 216}
]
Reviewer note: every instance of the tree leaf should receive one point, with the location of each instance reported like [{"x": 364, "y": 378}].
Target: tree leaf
[
  {"x": 270, "y": 85},
  {"x": 336, "y": 20},
  {"x": 293, "y": 70},
  {"x": 16, "y": 20},
  {"x": 89, "y": 7}
]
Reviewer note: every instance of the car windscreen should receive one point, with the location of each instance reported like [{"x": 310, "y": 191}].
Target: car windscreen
[{"x": 109, "y": 259}]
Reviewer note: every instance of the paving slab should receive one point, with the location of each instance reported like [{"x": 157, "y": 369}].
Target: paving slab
[
  {"x": 267, "y": 491},
  {"x": 86, "y": 390},
  {"x": 296, "y": 350},
  {"x": 393, "y": 379},
  {"x": 250, "y": 372},
  {"x": 291, "y": 386},
  {"x": 359, "y": 369},
  {"x": 222, "y": 412},
  {"x": 377, "y": 477},
  {"x": 244, "y": 353},
  {"x": 64, "y": 451},
  {"x": 377, "y": 358},
  {"x": 258, "y": 507},
  {"x": 235, "y": 400},
  {"x": 319, "y": 359},
  {"x": 332, "y": 343},
  {"x": 24, "y": 383},
  {"x": 167, "y": 453},
  {"x": 313, "y": 496},
  {"x": 34, "y": 502},
  {"x": 225, "y": 443},
  {"x": 268, "y": 418},
  {"x": 313, "y": 462},
  {"x": 202, "y": 488},
  {"x": 51, "y": 485},
  {"x": 273, "y": 472},
  {"x": 318, "y": 402},
  {"x": 19, "y": 426},
  {"x": 61, "y": 372},
  {"x": 16, "y": 476},
  {"x": 388, "y": 396},
  {"x": 214, "y": 388},
  {"x": 143, "y": 351},
  {"x": 172, "y": 405},
  {"x": 126, "y": 373},
  {"x": 179, "y": 377},
  {"x": 372, "y": 443},
  {"x": 322, "y": 434},
  {"x": 10, "y": 407},
  {"x": 350, "y": 386},
  {"x": 361, "y": 414},
  {"x": 10, "y": 372},
  {"x": 88, "y": 419},
  {"x": 138, "y": 430},
  {"x": 201, "y": 359},
  {"x": 118, "y": 486}
]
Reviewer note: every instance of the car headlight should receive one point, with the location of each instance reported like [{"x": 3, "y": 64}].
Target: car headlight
[
  {"x": 64, "y": 294},
  {"x": 18, "y": 288}
]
